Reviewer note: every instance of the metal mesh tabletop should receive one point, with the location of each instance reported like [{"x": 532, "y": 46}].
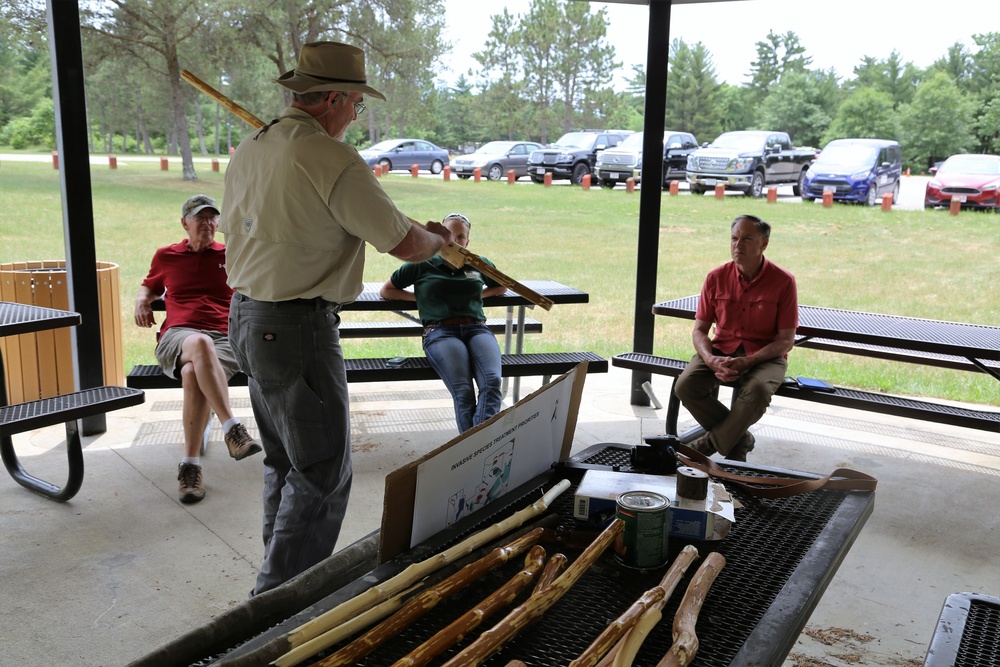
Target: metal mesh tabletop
[
  {"x": 369, "y": 298},
  {"x": 780, "y": 555},
  {"x": 977, "y": 341},
  {"x": 19, "y": 318}
]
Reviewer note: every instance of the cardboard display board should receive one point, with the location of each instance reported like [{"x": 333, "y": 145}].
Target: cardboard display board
[{"x": 481, "y": 465}]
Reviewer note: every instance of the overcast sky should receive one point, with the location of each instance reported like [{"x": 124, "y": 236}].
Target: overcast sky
[{"x": 835, "y": 34}]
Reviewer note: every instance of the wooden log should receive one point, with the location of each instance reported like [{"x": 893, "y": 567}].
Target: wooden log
[
  {"x": 625, "y": 650},
  {"x": 417, "y": 571},
  {"x": 462, "y": 626},
  {"x": 423, "y": 602},
  {"x": 685, "y": 645},
  {"x": 555, "y": 565},
  {"x": 496, "y": 637}
]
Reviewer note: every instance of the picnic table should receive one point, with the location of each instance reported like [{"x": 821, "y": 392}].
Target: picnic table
[
  {"x": 956, "y": 345},
  {"x": 21, "y": 319},
  {"x": 781, "y": 555}
]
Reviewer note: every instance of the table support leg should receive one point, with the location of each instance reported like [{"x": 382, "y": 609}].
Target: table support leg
[{"x": 74, "y": 453}]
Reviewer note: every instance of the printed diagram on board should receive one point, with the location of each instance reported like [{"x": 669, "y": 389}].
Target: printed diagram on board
[{"x": 496, "y": 475}]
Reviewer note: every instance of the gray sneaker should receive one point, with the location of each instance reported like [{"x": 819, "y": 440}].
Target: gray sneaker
[
  {"x": 192, "y": 486},
  {"x": 239, "y": 442}
]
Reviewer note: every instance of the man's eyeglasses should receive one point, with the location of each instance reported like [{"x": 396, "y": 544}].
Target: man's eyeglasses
[{"x": 359, "y": 108}]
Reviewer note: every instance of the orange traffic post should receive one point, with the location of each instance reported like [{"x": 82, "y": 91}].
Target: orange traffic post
[
  {"x": 215, "y": 165},
  {"x": 55, "y": 159},
  {"x": 630, "y": 185},
  {"x": 955, "y": 206},
  {"x": 772, "y": 195},
  {"x": 585, "y": 182},
  {"x": 377, "y": 170},
  {"x": 827, "y": 199},
  {"x": 907, "y": 171},
  {"x": 477, "y": 174},
  {"x": 674, "y": 188},
  {"x": 446, "y": 173},
  {"x": 720, "y": 190},
  {"x": 511, "y": 176},
  {"x": 112, "y": 162},
  {"x": 547, "y": 180},
  {"x": 887, "y": 201},
  {"x": 164, "y": 164},
  {"x": 413, "y": 170}
]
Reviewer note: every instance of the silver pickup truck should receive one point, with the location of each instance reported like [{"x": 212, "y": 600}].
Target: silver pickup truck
[{"x": 748, "y": 161}]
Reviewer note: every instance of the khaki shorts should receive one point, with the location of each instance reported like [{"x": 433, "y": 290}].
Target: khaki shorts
[{"x": 168, "y": 350}]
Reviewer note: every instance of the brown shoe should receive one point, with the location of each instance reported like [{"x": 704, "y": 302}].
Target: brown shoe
[
  {"x": 703, "y": 445},
  {"x": 192, "y": 487},
  {"x": 742, "y": 447},
  {"x": 239, "y": 442}
]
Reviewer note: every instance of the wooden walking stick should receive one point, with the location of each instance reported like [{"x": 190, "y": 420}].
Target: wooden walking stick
[
  {"x": 619, "y": 627},
  {"x": 496, "y": 637},
  {"x": 462, "y": 626},
  {"x": 454, "y": 254},
  {"x": 685, "y": 640},
  {"x": 417, "y": 571},
  {"x": 628, "y": 646},
  {"x": 423, "y": 602}
]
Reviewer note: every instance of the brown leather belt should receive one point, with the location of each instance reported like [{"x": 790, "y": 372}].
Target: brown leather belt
[{"x": 453, "y": 320}]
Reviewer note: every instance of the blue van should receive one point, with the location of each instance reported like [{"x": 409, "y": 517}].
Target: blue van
[{"x": 859, "y": 170}]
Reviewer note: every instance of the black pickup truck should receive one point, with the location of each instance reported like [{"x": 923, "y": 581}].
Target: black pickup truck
[
  {"x": 573, "y": 156},
  {"x": 748, "y": 161}
]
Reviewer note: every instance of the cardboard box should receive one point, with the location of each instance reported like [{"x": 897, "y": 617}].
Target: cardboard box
[{"x": 710, "y": 519}]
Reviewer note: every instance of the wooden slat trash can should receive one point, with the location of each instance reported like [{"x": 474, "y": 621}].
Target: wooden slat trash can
[{"x": 40, "y": 365}]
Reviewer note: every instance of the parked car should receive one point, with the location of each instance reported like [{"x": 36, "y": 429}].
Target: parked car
[
  {"x": 495, "y": 158},
  {"x": 403, "y": 153},
  {"x": 624, "y": 161},
  {"x": 858, "y": 170},
  {"x": 972, "y": 179},
  {"x": 574, "y": 155},
  {"x": 748, "y": 161}
]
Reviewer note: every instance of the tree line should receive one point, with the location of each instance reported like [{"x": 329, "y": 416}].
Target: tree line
[{"x": 539, "y": 74}]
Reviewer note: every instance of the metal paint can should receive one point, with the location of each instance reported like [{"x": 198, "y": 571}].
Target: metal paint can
[{"x": 643, "y": 543}]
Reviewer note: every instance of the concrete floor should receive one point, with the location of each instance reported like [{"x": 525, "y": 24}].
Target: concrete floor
[{"x": 123, "y": 567}]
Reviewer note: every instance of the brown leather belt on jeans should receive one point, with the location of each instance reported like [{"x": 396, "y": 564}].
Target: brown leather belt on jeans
[{"x": 453, "y": 320}]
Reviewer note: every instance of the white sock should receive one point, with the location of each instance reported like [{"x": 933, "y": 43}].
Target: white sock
[
  {"x": 229, "y": 424},
  {"x": 191, "y": 459}
]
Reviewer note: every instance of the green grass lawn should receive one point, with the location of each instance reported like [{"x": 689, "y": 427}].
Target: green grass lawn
[{"x": 917, "y": 263}]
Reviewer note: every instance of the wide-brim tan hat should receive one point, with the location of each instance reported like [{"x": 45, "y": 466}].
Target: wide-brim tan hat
[{"x": 329, "y": 66}]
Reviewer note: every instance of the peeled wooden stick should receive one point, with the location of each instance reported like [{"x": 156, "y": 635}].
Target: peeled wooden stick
[
  {"x": 417, "y": 571},
  {"x": 452, "y": 253},
  {"x": 619, "y": 627},
  {"x": 625, "y": 650},
  {"x": 555, "y": 565},
  {"x": 494, "y": 639},
  {"x": 423, "y": 602},
  {"x": 233, "y": 107},
  {"x": 469, "y": 621},
  {"x": 685, "y": 640}
]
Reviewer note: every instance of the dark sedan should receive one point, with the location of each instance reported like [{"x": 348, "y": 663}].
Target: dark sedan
[
  {"x": 973, "y": 180},
  {"x": 495, "y": 158},
  {"x": 404, "y": 153}
]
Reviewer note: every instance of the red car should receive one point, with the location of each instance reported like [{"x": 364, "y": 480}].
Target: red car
[{"x": 974, "y": 180}]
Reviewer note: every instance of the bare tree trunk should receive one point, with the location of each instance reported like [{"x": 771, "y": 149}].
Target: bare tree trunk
[
  {"x": 180, "y": 122},
  {"x": 218, "y": 108},
  {"x": 199, "y": 119}
]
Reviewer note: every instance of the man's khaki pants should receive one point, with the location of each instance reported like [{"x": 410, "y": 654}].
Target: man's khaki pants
[{"x": 697, "y": 390}]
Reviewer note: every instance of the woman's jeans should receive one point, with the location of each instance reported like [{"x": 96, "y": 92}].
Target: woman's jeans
[{"x": 461, "y": 353}]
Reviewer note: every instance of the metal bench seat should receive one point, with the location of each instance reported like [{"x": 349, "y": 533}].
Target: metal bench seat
[
  {"x": 843, "y": 397},
  {"x": 545, "y": 364},
  {"x": 66, "y": 409}
]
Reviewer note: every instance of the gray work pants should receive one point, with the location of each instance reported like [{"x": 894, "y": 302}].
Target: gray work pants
[
  {"x": 290, "y": 350},
  {"x": 696, "y": 388}
]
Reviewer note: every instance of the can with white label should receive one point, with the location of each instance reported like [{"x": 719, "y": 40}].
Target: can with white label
[{"x": 643, "y": 543}]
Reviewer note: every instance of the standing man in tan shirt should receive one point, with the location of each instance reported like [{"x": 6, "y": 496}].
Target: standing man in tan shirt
[{"x": 299, "y": 206}]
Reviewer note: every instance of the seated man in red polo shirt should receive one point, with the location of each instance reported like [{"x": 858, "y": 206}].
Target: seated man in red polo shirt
[
  {"x": 193, "y": 343},
  {"x": 754, "y": 306}
]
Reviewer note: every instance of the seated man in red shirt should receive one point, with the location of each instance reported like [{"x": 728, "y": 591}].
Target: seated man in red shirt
[
  {"x": 754, "y": 306},
  {"x": 193, "y": 342}
]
